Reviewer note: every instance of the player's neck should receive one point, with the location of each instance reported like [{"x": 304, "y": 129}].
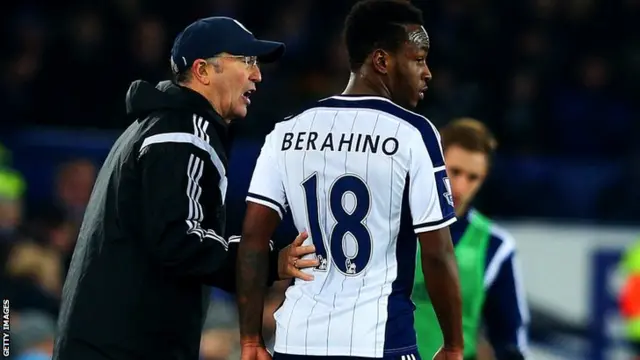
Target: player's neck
[{"x": 359, "y": 84}]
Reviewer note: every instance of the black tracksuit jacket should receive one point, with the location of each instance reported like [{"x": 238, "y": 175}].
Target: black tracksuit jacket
[{"x": 153, "y": 236}]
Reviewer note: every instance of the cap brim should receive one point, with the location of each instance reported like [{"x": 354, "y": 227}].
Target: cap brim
[{"x": 267, "y": 51}]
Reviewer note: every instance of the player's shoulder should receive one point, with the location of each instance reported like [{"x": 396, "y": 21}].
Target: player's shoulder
[
  {"x": 289, "y": 121},
  {"x": 382, "y": 106},
  {"x": 500, "y": 239}
]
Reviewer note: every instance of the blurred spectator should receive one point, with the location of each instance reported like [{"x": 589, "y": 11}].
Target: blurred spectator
[
  {"x": 33, "y": 334},
  {"x": 31, "y": 278},
  {"x": 148, "y": 44},
  {"x": 38, "y": 264},
  {"x": 74, "y": 184},
  {"x": 579, "y": 111},
  {"x": 221, "y": 336},
  {"x": 52, "y": 228},
  {"x": 30, "y": 273},
  {"x": 12, "y": 187}
]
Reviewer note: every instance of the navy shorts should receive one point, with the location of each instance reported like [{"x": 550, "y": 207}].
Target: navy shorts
[{"x": 413, "y": 355}]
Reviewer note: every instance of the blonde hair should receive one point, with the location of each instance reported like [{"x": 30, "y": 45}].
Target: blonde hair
[
  {"x": 470, "y": 134},
  {"x": 44, "y": 266}
]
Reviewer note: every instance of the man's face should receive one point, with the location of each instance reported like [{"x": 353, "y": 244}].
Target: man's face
[
  {"x": 467, "y": 171},
  {"x": 232, "y": 80},
  {"x": 10, "y": 214},
  {"x": 410, "y": 73}
]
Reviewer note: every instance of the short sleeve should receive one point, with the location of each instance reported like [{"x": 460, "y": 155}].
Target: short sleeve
[
  {"x": 267, "y": 185},
  {"x": 430, "y": 197}
]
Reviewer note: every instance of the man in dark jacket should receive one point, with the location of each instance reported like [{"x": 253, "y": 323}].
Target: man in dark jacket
[{"x": 153, "y": 235}]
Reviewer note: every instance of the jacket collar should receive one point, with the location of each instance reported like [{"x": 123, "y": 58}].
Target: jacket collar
[{"x": 201, "y": 104}]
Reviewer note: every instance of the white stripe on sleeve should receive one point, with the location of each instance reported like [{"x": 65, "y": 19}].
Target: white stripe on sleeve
[
  {"x": 194, "y": 173},
  {"x": 236, "y": 239}
]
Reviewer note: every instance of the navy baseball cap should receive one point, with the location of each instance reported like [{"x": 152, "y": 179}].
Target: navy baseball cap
[{"x": 211, "y": 36}]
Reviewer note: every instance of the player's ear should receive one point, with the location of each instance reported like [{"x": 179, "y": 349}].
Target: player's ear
[
  {"x": 201, "y": 71},
  {"x": 380, "y": 61}
]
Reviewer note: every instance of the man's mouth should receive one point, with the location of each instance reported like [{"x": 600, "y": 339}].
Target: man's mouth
[
  {"x": 422, "y": 91},
  {"x": 247, "y": 95},
  {"x": 457, "y": 200}
]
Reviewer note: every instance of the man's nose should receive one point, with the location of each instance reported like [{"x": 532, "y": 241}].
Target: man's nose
[
  {"x": 459, "y": 185},
  {"x": 427, "y": 76},
  {"x": 256, "y": 75}
]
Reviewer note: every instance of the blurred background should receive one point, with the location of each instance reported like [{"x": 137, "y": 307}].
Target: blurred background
[{"x": 557, "y": 81}]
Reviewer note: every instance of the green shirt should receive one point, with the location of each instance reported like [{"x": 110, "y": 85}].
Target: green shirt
[{"x": 471, "y": 252}]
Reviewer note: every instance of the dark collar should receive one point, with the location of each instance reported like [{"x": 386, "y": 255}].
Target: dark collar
[{"x": 201, "y": 104}]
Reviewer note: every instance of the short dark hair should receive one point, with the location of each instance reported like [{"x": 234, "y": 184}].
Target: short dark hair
[
  {"x": 182, "y": 77},
  {"x": 470, "y": 134},
  {"x": 373, "y": 24}
]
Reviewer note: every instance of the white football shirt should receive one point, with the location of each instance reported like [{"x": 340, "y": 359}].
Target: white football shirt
[{"x": 363, "y": 176}]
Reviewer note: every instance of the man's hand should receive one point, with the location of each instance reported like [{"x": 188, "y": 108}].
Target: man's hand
[
  {"x": 444, "y": 354},
  {"x": 290, "y": 259},
  {"x": 254, "y": 352}
]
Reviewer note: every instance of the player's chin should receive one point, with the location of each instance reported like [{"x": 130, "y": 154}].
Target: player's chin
[
  {"x": 240, "y": 111},
  {"x": 414, "y": 97},
  {"x": 458, "y": 201}
]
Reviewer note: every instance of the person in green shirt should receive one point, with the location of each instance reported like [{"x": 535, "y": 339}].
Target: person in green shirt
[
  {"x": 629, "y": 297},
  {"x": 493, "y": 297}
]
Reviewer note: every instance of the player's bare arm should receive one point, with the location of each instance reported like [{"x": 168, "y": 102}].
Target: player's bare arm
[
  {"x": 443, "y": 285},
  {"x": 260, "y": 222}
]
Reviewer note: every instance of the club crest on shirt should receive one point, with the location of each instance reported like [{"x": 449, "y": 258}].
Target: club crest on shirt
[
  {"x": 447, "y": 194},
  {"x": 322, "y": 266}
]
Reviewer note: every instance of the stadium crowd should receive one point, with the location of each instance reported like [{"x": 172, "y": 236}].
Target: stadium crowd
[{"x": 557, "y": 81}]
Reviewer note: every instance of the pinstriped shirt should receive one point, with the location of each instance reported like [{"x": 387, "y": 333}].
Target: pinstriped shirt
[{"x": 363, "y": 176}]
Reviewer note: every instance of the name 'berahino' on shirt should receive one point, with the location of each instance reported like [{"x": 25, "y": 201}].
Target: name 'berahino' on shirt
[
  {"x": 362, "y": 176},
  {"x": 310, "y": 141}
]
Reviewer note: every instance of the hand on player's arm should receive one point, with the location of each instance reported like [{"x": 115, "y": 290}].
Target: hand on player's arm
[
  {"x": 284, "y": 264},
  {"x": 291, "y": 261}
]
